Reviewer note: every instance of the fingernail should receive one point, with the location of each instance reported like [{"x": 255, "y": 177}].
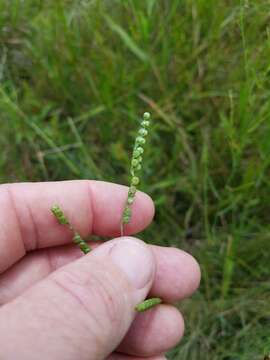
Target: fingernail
[{"x": 135, "y": 259}]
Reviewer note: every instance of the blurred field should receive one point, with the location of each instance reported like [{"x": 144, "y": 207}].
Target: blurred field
[{"x": 75, "y": 76}]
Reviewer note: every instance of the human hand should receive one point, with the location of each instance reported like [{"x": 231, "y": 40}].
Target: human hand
[{"x": 58, "y": 304}]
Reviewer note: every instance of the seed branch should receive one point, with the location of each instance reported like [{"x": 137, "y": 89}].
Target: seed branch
[{"x": 63, "y": 220}]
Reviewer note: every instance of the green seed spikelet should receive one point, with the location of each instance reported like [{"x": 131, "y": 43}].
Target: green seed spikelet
[
  {"x": 63, "y": 220},
  {"x": 148, "y": 304},
  {"x": 136, "y": 166},
  {"x": 60, "y": 216},
  {"x": 77, "y": 239}
]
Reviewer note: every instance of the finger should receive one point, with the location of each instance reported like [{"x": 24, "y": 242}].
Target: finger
[
  {"x": 118, "y": 356},
  {"x": 26, "y": 221},
  {"x": 33, "y": 268},
  {"x": 83, "y": 310},
  {"x": 177, "y": 272},
  {"x": 154, "y": 332}
]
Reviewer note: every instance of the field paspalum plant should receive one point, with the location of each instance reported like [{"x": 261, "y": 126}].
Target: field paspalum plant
[{"x": 135, "y": 168}]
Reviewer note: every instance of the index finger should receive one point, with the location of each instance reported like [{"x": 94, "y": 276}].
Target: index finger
[{"x": 93, "y": 207}]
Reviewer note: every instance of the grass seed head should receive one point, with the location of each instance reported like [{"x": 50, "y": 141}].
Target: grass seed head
[{"x": 136, "y": 166}]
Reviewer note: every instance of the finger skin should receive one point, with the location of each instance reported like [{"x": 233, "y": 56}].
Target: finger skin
[
  {"x": 33, "y": 268},
  {"x": 177, "y": 272},
  {"x": 154, "y": 332},
  {"x": 94, "y": 207},
  {"x": 81, "y": 311}
]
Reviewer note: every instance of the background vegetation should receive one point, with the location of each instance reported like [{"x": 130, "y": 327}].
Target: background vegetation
[{"x": 74, "y": 77}]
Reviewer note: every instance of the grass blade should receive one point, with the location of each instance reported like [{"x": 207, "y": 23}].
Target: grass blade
[
  {"x": 127, "y": 40},
  {"x": 40, "y": 133}
]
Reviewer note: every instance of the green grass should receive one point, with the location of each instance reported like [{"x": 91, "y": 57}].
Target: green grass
[{"x": 74, "y": 77}]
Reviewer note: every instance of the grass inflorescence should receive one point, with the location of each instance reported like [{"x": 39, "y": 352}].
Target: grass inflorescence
[
  {"x": 135, "y": 168},
  {"x": 202, "y": 69}
]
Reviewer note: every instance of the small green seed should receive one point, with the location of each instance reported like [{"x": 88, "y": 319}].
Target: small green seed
[
  {"x": 134, "y": 162},
  {"x": 84, "y": 247},
  {"x": 138, "y": 167},
  {"x": 145, "y": 123},
  {"x": 136, "y": 153},
  {"x": 140, "y": 149},
  {"x": 135, "y": 180},
  {"x": 132, "y": 190},
  {"x": 77, "y": 239},
  {"x": 146, "y": 116},
  {"x": 140, "y": 140},
  {"x": 130, "y": 200},
  {"x": 143, "y": 132},
  {"x": 59, "y": 214},
  {"x": 127, "y": 211}
]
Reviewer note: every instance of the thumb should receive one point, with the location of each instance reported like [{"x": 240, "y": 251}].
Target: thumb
[{"x": 83, "y": 310}]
